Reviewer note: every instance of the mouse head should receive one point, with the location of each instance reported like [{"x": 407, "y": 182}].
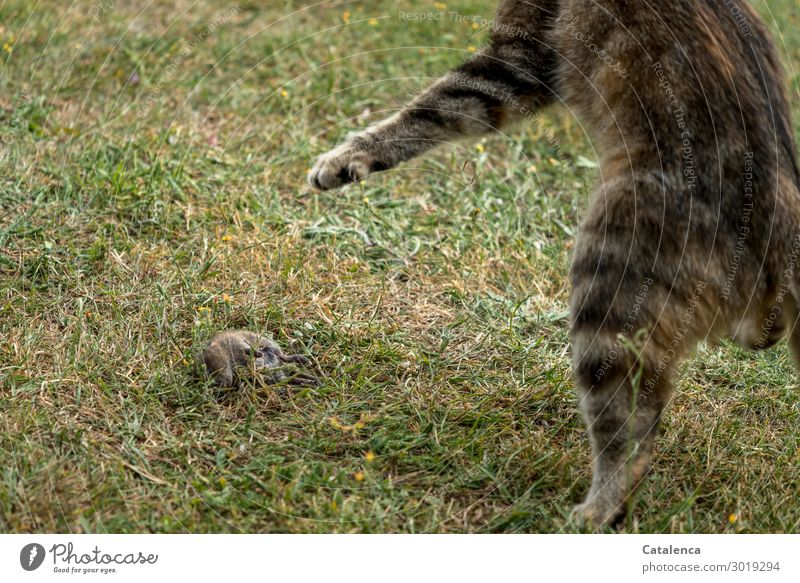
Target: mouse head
[{"x": 268, "y": 355}]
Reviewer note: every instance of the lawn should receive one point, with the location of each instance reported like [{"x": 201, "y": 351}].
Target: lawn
[{"x": 152, "y": 192}]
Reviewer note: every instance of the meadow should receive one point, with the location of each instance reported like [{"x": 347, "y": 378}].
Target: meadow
[{"x": 153, "y": 162}]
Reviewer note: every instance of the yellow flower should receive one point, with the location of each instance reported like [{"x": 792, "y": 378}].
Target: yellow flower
[
  {"x": 8, "y": 48},
  {"x": 284, "y": 93},
  {"x": 471, "y": 49},
  {"x": 226, "y": 238},
  {"x": 439, "y": 5},
  {"x": 363, "y": 420},
  {"x": 475, "y": 26},
  {"x": 532, "y": 169},
  {"x": 369, "y": 457},
  {"x": 346, "y": 16},
  {"x": 365, "y": 200},
  {"x": 227, "y": 298},
  {"x": 359, "y": 476},
  {"x": 480, "y": 148},
  {"x": 373, "y": 22},
  {"x": 203, "y": 309},
  {"x": 732, "y": 518}
]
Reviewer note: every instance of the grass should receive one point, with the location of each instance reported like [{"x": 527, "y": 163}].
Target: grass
[{"x": 152, "y": 192}]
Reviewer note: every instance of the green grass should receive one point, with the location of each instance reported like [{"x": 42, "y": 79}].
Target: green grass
[{"x": 432, "y": 296}]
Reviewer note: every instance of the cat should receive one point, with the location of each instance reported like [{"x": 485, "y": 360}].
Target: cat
[{"x": 692, "y": 233}]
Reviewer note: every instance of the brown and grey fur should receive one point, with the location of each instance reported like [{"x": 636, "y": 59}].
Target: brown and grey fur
[
  {"x": 231, "y": 352},
  {"x": 692, "y": 233}
]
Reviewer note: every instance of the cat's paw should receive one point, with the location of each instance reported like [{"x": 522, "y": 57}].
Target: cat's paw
[
  {"x": 341, "y": 166},
  {"x": 595, "y": 514}
]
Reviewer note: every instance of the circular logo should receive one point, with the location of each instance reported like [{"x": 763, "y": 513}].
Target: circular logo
[{"x": 31, "y": 556}]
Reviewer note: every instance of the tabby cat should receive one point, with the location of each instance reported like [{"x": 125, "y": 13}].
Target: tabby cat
[{"x": 692, "y": 233}]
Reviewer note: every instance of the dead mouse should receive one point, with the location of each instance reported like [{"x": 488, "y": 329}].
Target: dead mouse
[{"x": 238, "y": 349}]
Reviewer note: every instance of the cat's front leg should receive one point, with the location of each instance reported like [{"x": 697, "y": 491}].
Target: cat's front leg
[
  {"x": 383, "y": 145},
  {"x": 509, "y": 79}
]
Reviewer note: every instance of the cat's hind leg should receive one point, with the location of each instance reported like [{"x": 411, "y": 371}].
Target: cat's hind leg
[{"x": 634, "y": 315}]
